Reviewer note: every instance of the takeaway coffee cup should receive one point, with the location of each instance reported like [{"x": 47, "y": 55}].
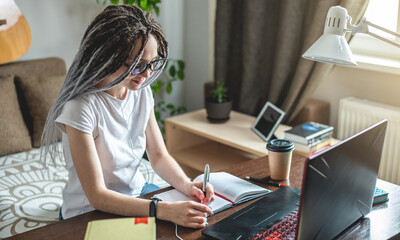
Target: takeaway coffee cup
[{"x": 280, "y": 158}]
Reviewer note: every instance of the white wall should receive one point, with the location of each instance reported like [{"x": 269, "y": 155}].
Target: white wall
[
  {"x": 57, "y": 27},
  {"x": 352, "y": 81},
  {"x": 172, "y": 21},
  {"x": 197, "y": 51}
]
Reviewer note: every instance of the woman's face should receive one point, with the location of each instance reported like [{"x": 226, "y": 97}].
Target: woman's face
[{"x": 133, "y": 82}]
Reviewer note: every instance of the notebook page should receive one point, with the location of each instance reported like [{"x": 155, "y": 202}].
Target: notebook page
[
  {"x": 174, "y": 195},
  {"x": 233, "y": 188}
]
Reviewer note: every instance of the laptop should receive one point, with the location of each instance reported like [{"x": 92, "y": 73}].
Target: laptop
[{"x": 337, "y": 190}]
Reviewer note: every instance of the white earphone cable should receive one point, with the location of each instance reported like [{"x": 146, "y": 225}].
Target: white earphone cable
[
  {"x": 176, "y": 232},
  {"x": 131, "y": 147}
]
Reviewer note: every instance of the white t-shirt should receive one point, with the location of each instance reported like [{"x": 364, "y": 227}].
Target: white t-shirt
[{"x": 118, "y": 129}]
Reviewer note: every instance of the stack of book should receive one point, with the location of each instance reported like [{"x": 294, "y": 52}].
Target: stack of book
[
  {"x": 310, "y": 137},
  {"x": 380, "y": 195}
]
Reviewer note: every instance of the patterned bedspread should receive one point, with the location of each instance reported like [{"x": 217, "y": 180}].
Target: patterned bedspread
[{"x": 31, "y": 194}]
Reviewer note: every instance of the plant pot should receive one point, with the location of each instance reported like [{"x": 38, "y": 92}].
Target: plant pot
[{"x": 218, "y": 112}]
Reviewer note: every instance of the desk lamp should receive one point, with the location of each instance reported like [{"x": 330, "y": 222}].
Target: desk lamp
[{"x": 332, "y": 47}]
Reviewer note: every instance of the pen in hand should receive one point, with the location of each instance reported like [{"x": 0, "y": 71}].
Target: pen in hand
[
  {"x": 206, "y": 179},
  {"x": 275, "y": 184}
]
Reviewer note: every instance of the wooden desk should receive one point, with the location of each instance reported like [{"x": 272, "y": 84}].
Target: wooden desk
[{"x": 382, "y": 223}]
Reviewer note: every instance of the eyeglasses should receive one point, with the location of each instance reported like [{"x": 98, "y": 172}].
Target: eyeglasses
[{"x": 142, "y": 67}]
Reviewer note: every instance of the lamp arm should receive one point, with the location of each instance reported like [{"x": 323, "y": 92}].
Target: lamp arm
[{"x": 363, "y": 27}]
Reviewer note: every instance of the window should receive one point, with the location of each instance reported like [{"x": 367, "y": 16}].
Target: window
[{"x": 385, "y": 14}]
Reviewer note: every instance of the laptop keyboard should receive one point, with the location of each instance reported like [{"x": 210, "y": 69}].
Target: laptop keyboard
[{"x": 285, "y": 229}]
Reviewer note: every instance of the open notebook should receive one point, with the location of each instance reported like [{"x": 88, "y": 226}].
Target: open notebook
[{"x": 229, "y": 190}]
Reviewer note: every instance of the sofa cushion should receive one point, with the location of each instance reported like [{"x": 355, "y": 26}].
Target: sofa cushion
[
  {"x": 25, "y": 69},
  {"x": 14, "y": 134},
  {"x": 40, "y": 93}
]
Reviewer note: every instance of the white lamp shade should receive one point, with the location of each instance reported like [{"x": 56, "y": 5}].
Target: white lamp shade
[{"x": 331, "y": 48}]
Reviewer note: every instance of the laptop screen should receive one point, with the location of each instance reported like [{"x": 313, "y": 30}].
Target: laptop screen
[
  {"x": 338, "y": 184},
  {"x": 337, "y": 190}
]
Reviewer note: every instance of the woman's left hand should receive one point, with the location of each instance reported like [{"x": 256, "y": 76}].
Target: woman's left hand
[{"x": 195, "y": 192}]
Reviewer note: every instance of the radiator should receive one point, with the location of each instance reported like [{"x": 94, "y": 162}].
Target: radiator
[{"x": 358, "y": 114}]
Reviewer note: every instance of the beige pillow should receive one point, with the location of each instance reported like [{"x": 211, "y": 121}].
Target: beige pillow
[
  {"x": 14, "y": 134},
  {"x": 40, "y": 93}
]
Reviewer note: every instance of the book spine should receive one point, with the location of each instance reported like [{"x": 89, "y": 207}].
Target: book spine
[
  {"x": 305, "y": 141},
  {"x": 308, "y": 149},
  {"x": 319, "y": 134},
  {"x": 320, "y": 138},
  {"x": 321, "y": 145}
]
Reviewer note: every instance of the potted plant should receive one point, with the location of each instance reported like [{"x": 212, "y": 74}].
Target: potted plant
[{"x": 218, "y": 104}]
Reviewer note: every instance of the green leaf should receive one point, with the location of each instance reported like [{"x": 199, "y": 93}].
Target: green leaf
[
  {"x": 169, "y": 88},
  {"x": 157, "y": 10},
  {"x": 172, "y": 71},
  {"x": 181, "y": 109},
  {"x": 170, "y": 106},
  {"x": 115, "y": 2},
  {"x": 160, "y": 103},
  {"x": 181, "y": 64},
  {"x": 155, "y": 89},
  {"x": 173, "y": 113},
  {"x": 181, "y": 75}
]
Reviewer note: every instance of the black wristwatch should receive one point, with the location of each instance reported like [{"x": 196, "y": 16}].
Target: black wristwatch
[{"x": 153, "y": 207}]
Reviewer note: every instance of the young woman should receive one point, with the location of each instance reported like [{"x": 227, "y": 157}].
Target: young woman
[{"x": 105, "y": 113}]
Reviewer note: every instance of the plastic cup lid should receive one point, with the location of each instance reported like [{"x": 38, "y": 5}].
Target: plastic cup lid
[{"x": 280, "y": 145}]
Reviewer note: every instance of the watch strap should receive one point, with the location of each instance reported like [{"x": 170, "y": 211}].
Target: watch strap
[{"x": 153, "y": 207}]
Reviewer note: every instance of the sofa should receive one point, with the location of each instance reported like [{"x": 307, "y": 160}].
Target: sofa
[{"x": 31, "y": 193}]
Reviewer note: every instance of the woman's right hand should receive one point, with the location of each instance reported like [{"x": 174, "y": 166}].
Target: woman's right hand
[{"x": 186, "y": 213}]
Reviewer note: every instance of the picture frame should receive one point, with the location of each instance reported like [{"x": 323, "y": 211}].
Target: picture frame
[{"x": 268, "y": 121}]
